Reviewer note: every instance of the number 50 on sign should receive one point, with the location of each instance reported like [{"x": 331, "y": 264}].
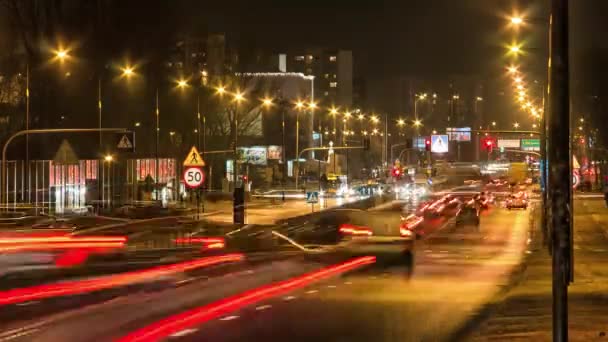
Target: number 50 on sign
[{"x": 193, "y": 177}]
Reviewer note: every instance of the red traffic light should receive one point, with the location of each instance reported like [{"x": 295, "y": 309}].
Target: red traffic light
[
  {"x": 427, "y": 144},
  {"x": 489, "y": 143}
]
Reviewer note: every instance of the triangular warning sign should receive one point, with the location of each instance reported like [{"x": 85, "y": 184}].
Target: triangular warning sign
[
  {"x": 193, "y": 158},
  {"x": 125, "y": 143},
  {"x": 65, "y": 155}
]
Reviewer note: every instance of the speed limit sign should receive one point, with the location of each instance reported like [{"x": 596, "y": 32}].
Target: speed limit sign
[{"x": 193, "y": 177}]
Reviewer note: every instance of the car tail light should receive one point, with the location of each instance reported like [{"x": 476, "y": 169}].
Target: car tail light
[
  {"x": 205, "y": 242},
  {"x": 349, "y": 229}
]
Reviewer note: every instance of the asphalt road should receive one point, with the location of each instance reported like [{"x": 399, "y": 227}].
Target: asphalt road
[{"x": 457, "y": 270}]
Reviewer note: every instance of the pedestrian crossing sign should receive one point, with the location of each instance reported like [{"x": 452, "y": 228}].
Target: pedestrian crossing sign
[
  {"x": 125, "y": 143},
  {"x": 312, "y": 197},
  {"x": 193, "y": 158}
]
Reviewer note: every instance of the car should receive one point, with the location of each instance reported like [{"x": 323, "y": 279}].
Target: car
[
  {"x": 469, "y": 215},
  {"x": 356, "y": 232},
  {"x": 518, "y": 201}
]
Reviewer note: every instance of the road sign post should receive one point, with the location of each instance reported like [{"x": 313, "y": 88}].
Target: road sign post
[
  {"x": 312, "y": 197},
  {"x": 193, "y": 176}
]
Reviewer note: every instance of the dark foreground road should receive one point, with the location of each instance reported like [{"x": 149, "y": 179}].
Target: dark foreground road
[{"x": 457, "y": 270}]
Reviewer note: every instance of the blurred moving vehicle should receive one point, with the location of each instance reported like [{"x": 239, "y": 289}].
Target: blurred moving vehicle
[
  {"x": 355, "y": 232},
  {"x": 517, "y": 201},
  {"x": 468, "y": 215}
]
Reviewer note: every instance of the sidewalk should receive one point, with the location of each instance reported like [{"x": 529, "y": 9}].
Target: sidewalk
[{"x": 524, "y": 313}]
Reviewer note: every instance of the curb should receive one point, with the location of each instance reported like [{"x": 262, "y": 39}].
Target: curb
[{"x": 465, "y": 331}]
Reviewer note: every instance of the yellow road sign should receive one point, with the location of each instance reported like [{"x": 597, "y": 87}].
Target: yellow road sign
[{"x": 194, "y": 158}]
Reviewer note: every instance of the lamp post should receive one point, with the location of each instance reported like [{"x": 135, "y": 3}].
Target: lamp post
[{"x": 299, "y": 107}]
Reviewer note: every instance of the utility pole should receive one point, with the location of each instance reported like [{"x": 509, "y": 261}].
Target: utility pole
[{"x": 560, "y": 166}]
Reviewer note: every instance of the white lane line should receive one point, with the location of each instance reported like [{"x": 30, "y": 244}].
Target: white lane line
[
  {"x": 288, "y": 298},
  {"x": 331, "y": 286},
  {"x": 184, "y": 281},
  {"x": 311, "y": 291},
  {"x": 229, "y": 318},
  {"x": 348, "y": 283},
  {"x": 184, "y": 332},
  {"x": 263, "y": 307},
  {"x": 31, "y": 302},
  {"x": 19, "y": 334}
]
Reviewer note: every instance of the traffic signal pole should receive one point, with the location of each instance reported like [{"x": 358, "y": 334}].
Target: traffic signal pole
[{"x": 560, "y": 166}]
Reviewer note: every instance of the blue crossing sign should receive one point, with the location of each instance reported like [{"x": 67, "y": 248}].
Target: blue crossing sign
[{"x": 312, "y": 197}]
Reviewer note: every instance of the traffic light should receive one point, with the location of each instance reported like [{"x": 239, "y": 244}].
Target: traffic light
[
  {"x": 366, "y": 143},
  {"x": 427, "y": 144},
  {"x": 397, "y": 172},
  {"x": 489, "y": 145}
]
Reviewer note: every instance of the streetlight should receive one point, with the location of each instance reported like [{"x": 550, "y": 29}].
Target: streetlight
[
  {"x": 221, "y": 90},
  {"x": 512, "y": 69},
  {"x": 267, "y": 102},
  {"x": 418, "y": 97},
  {"x": 182, "y": 83},
  {"x": 493, "y": 123},
  {"x": 516, "y": 20},
  {"x": 515, "y": 49},
  {"x": 417, "y": 123},
  {"x": 516, "y": 125},
  {"x": 128, "y": 71},
  {"x": 400, "y": 122}
]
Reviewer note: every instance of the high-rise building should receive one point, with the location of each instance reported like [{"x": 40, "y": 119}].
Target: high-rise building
[{"x": 333, "y": 72}]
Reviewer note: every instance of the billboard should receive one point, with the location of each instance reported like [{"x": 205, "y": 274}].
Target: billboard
[
  {"x": 255, "y": 155},
  {"x": 508, "y": 143},
  {"x": 259, "y": 155},
  {"x": 459, "y": 134},
  {"x": 439, "y": 143},
  {"x": 275, "y": 152}
]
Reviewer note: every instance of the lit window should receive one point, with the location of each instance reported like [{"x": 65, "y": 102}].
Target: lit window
[
  {"x": 309, "y": 57},
  {"x": 308, "y": 71},
  {"x": 326, "y": 75},
  {"x": 333, "y": 58},
  {"x": 333, "y": 84},
  {"x": 326, "y": 93},
  {"x": 335, "y": 76},
  {"x": 299, "y": 58}
]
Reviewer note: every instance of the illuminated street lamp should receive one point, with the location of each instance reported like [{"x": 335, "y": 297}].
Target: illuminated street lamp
[
  {"x": 267, "y": 102},
  {"x": 516, "y": 20},
  {"x": 182, "y": 83},
  {"x": 220, "y": 90},
  {"x": 512, "y": 69},
  {"x": 128, "y": 71},
  {"x": 374, "y": 119},
  {"x": 493, "y": 123},
  {"x": 400, "y": 122},
  {"x": 516, "y": 125},
  {"x": 515, "y": 49},
  {"x": 108, "y": 158},
  {"x": 239, "y": 97},
  {"x": 417, "y": 123}
]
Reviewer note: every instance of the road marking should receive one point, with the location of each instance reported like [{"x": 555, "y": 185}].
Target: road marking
[
  {"x": 428, "y": 251},
  {"x": 184, "y": 281},
  {"x": 288, "y": 298},
  {"x": 183, "y": 332},
  {"x": 348, "y": 283},
  {"x": 31, "y": 302},
  {"x": 19, "y": 334},
  {"x": 229, "y": 318},
  {"x": 263, "y": 307},
  {"x": 311, "y": 291},
  {"x": 331, "y": 286}
]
